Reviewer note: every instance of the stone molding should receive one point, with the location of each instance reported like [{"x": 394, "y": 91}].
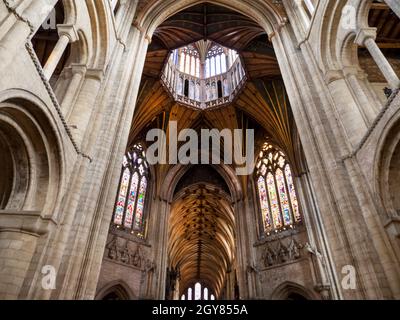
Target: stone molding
[
  {"x": 25, "y": 222},
  {"x": 69, "y": 31}
]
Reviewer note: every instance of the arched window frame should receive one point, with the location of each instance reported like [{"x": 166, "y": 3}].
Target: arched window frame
[
  {"x": 197, "y": 291},
  {"x": 269, "y": 162},
  {"x": 135, "y": 162}
]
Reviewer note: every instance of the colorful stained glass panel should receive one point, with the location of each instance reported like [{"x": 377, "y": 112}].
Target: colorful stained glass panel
[
  {"x": 131, "y": 201},
  {"x": 292, "y": 193},
  {"x": 120, "y": 207},
  {"x": 262, "y": 191},
  {"x": 275, "y": 212},
  {"x": 140, "y": 204},
  {"x": 283, "y": 196}
]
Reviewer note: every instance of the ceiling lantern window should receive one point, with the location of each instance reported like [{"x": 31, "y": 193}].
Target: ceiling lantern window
[{"x": 203, "y": 75}]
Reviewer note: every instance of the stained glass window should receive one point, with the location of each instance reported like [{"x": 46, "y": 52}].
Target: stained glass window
[
  {"x": 129, "y": 208},
  {"x": 197, "y": 292},
  {"x": 292, "y": 193},
  {"x": 276, "y": 190},
  {"x": 140, "y": 203},
  {"x": 275, "y": 212},
  {"x": 131, "y": 200},
  {"x": 280, "y": 180},
  {"x": 123, "y": 189},
  {"x": 262, "y": 191}
]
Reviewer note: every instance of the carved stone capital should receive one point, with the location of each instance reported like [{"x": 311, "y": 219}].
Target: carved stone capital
[
  {"x": 69, "y": 31},
  {"x": 364, "y": 34}
]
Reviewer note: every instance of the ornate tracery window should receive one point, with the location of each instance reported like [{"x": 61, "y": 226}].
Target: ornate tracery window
[
  {"x": 129, "y": 208},
  {"x": 276, "y": 190}
]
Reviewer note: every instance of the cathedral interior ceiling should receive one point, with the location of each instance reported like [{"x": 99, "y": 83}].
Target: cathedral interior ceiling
[
  {"x": 201, "y": 229},
  {"x": 206, "y": 21},
  {"x": 201, "y": 233}
]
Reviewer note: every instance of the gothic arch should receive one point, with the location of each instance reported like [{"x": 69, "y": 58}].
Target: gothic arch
[
  {"x": 157, "y": 11},
  {"x": 175, "y": 174},
  {"x": 119, "y": 288},
  {"x": 284, "y": 290},
  {"x": 99, "y": 34}
]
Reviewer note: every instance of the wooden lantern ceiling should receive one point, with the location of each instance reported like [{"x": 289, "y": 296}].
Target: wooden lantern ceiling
[{"x": 204, "y": 21}]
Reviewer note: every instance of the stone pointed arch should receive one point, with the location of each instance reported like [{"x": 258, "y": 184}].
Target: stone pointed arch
[
  {"x": 100, "y": 26},
  {"x": 268, "y": 15},
  {"x": 119, "y": 288},
  {"x": 285, "y": 289},
  {"x": 175, "y": 174}
]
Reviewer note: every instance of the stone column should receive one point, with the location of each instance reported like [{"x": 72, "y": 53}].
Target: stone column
[
  {"x": 366, "y": 37},
  {"x": 394, "y": 5},
  {"x": 364, "y": 102},
  {"x": 78, "y": 71},
  {"x": 67, "y": 34},
  {"x": 80, "y": 115}
]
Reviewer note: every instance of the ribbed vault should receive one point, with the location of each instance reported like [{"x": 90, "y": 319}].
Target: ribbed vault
[
  {"x": 208, "y": 21},
  {"x": 202, "y": 236}
]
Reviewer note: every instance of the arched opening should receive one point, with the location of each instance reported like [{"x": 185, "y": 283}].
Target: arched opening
[
  {"x": 389, "y": 171},
  {"x": 295, "y": 297},
  {"x": 219, "y": 84},
  {"x": 7, "y": 165},
  {"x": 186, "y": 89},
  {"x": 112, "y": 292},
  {"x": 201, "y": 236},
  {"x": 28, "y": 157},
  {"x": 291, "y": 291},
  {"x": 46, "y": 39},
  {"x": 387, "y": 37}
]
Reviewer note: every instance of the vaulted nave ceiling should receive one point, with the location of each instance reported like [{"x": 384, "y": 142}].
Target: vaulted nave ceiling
[{"x": 201, "y": 236}]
